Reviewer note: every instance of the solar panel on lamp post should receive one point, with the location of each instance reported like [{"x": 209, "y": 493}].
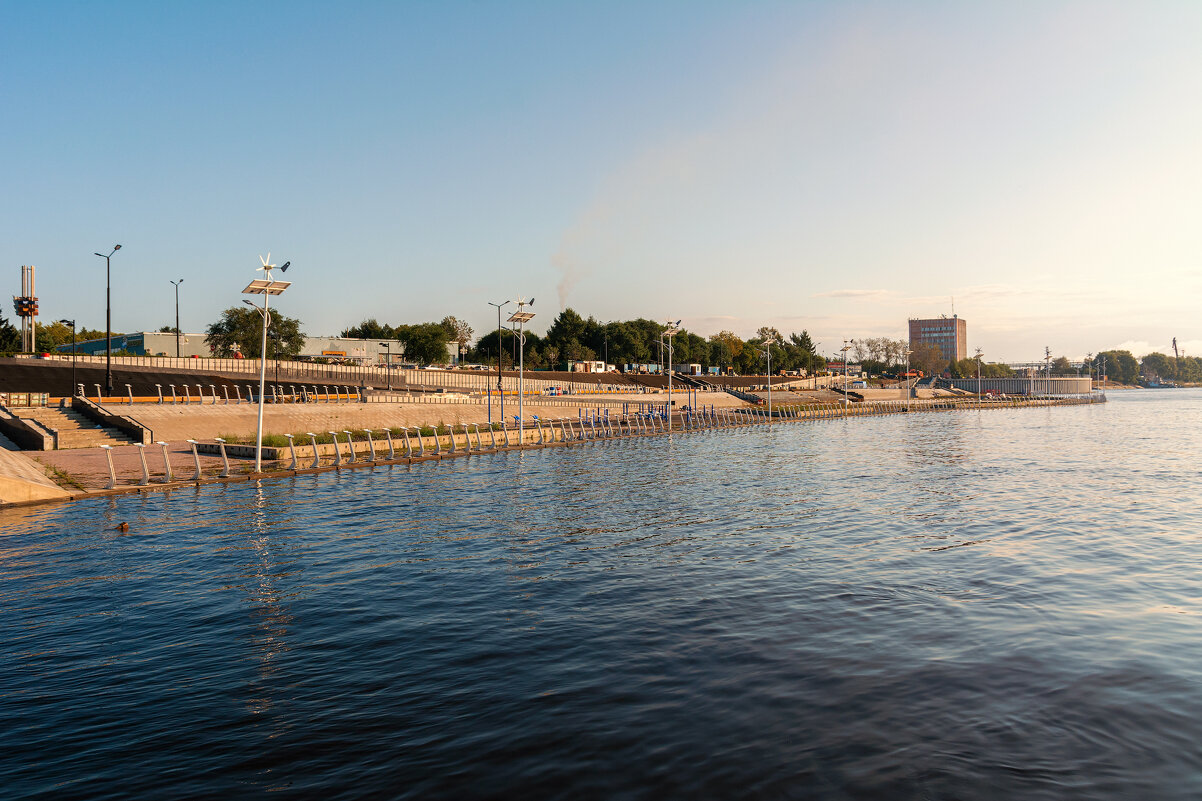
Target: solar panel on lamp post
[
  {"x": 520, "y": 318},
  {"x": 265, "y": 287}
]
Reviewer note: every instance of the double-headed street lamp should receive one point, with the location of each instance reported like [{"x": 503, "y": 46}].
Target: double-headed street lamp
[
  {"x": 500, "y": 388},
  {"x": 176, "y": 285},
  {"x": 266, "y": 287},
  {"x": 72, "y": 324},
  {"x": 108, "y": 319},
  {"x": 978, "y": 376},
  {"x": 846, "y": 347},
  {"x": 767, "y": 351},
  {"x": 909, "y": 392},
  {"x": 520, "y": 318},
  {"x": 672, "y": 330}
]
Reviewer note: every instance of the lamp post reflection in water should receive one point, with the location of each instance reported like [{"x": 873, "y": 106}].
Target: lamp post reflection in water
[{"x": 269, "y": 616}]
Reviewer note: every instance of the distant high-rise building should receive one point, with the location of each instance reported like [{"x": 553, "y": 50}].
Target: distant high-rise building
[{"x": 949, "y": 334}]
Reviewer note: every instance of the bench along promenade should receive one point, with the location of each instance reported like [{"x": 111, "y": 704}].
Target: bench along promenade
[{"x": 154, "y": 464}]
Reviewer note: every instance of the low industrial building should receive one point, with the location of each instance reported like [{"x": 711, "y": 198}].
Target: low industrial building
[{"x": 191, "y": 346}]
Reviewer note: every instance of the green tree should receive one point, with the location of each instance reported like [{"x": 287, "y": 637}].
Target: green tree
[
  {"x": 369, "y": 329},
  {"x": 567, "y": 327},
  {"x": 928, "y": 358},
  {"x": 10, "y": 337},
  {"x": 486, "y": 348},
  {"x": 458, "y": 332},
  {"x": 1120, "y": 366},
  {"x": 51, "y": 335},
  {"x": 1158, "y": 365},
  {"x": 1062, "y": 366},
  {"x": 425, "y": 343},
  {"x": 242, "y": 326}
]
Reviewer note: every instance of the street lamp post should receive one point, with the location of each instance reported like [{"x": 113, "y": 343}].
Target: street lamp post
[
  {"x": 768, "y": 353},
  {"x": 108, "y": 319},
  {"x": 1047, "y": 372},
  {"x": 672, "y": 330},
  {"x": 908, "y": 391},
  {"x": 388, "y": 362},
  {"x": 608, "y": 323},
  {"x": 500, "y": 389},
  {"x": 519, "y": 318},
  {"x": 266, "y": 287},
  {"x": 72, "y": 324},
  {"x": 978, "y": 376},
  {"x": 846, "y": 347},
  {"x": 176, "y": 284}
]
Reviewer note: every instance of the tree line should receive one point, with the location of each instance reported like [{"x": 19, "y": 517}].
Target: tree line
[
  {"x": 572, "y": 337},
  {"x": 638, "y": 341}
]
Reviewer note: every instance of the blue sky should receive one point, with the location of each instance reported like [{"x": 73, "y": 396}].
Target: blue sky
[{"x": 837, "y": 167}]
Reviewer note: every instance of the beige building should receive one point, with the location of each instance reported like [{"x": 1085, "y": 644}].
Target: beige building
[{"x": 949, "y": 334}]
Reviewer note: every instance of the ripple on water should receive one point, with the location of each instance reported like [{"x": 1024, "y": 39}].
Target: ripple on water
[{"x": 974, "y": 605}]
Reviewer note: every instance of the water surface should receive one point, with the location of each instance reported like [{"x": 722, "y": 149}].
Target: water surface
[{"x": 962, "y": 605}]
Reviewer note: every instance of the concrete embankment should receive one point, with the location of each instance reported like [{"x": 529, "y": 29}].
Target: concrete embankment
[
  {"x": 23, "y": 480},
  {"x": 175, "y": 464}
]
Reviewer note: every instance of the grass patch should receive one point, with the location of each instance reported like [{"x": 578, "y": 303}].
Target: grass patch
[{"x": 63, "y": 479}]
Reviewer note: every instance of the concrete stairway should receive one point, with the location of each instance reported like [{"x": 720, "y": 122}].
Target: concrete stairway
[{"x": 73, "y": 429}]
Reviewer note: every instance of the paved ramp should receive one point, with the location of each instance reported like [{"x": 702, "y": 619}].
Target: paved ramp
[{"x": 23, "y": 479}]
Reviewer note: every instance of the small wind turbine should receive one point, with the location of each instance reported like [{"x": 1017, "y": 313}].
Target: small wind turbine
[{"x": 268, "y": 266}]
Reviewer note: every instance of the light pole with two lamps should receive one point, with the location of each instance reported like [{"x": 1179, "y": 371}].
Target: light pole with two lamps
[
  {"x": 767, "y": 351},
  {"x": 108, "y": 319},
  {"x": 978, "y": 376},
  {"x": 519, "y": 318},
  {"x": 672, "y": 330},
  {"x": 846, "y": 347},
  {"x": 500, "y": 388}
]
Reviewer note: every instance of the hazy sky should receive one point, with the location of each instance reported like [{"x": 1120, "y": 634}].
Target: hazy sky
[{"x": 837, "y": 167}]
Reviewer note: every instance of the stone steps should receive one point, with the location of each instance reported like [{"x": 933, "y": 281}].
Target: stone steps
[{"x": 73, "y": 429}]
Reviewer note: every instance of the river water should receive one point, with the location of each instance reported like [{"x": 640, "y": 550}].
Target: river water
[{"x": 962, "y": 605}]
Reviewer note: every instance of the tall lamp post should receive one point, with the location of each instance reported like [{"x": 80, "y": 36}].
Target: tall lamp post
[
  {"x": 72, "y": 324},
  {"x": 500, "y": 388},
  {"x": 978, "y": 376},
  {"x": 909, "y": 392},
  {"x": 672, "y": 330},
  {"x": 176, "y": 285},
  {"x": 519, "y": 318},
  {"x": 608, "y": 323},
  {"x": 387, "y": 346},
  {"x": 1047, "y": 371},
  {"x": 266, "y": 287},
  {"x": 768, "y": 352},
  {"x": 108, "y": 319},
  {"x": 846, "y": 347}
]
